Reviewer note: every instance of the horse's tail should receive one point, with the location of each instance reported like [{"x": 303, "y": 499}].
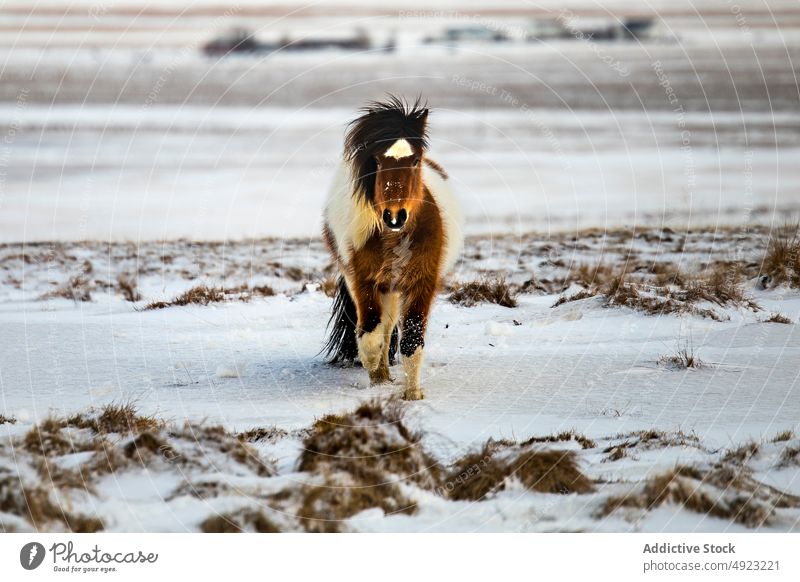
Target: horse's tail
[{"x": 341, "y": 346}]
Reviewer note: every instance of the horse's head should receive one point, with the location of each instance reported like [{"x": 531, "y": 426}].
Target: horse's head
[
  {"x": 398, "y": 183},
  {"x": 385, "y": 148}
]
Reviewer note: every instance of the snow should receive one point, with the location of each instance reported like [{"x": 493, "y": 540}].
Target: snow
[{"x": 490, "y": 372}]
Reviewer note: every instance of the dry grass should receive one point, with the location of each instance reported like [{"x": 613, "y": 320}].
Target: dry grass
[
  {"x": 669, "y": 293},
  {"x": 270, "y": 434},
  {"x": 564, "y": 436},
  {"x": 240, "y": 521},
  {"x": 116, "y": 418},
  {"x": 7, "y": 419},
  {"x": 790, "y": 456},
  {"x": 683, "y": 358},
  {"x": 35, "y": 504},
  {"x": 128, "y": 288},
  {"x": 205, "y": 295},
  {"x": 784, "y": 435},
  {"x": 323, "y": 508},
  {"x": 216, "y": 437},
  {"x": 781, "y": 262},
  {"x": 487, "y": 471},
  {"x": 372, "y": 440},
  {"x": 78, "y": 288},
  {"x": 485, "y": 290},
  {"x": 722, "y": 491},
  {"x": 200, "y": 295},
  {"x": 741, "y": 455},
  {"x": 778, "y": 318}
]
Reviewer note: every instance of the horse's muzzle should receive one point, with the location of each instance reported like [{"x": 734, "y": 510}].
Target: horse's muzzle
[{"x": 395, "y": 220}]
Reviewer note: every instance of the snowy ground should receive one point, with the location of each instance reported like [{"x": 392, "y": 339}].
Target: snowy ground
[{"x": 491, "y": 372}]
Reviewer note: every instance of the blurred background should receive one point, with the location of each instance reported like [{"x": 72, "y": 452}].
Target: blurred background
[{"x": 136, "y": 120}]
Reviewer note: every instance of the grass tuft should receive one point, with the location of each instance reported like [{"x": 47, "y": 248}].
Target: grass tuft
[
  {"x": 781, "y": 262},
  {"x": 487, "y": 471},
  {"x": 778, "y": 318},
  {"x": 485, "y": 290},
  {"x": 239, "y": 521},
  {"x": 721, "y": 491}
]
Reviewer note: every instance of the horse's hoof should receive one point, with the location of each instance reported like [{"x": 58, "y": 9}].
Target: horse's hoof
[
  {"x": 380, "y": 376},
  {"x": 413, "y": 394}
]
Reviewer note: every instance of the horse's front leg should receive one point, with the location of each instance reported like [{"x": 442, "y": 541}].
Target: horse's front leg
[
  {"x": 372, "y": 343},
  {"x": 415, "y": 320}
]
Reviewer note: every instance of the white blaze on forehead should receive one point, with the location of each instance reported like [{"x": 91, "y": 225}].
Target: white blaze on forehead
[{"x": 400, "y": 149}]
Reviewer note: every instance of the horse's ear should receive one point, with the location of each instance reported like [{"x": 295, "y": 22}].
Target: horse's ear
[{"x": 423, "y": 116}]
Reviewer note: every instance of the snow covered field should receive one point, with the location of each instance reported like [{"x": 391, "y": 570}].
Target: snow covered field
[
  {"x": 251, "y": 363},
  {"x": 163, "y": 287}
]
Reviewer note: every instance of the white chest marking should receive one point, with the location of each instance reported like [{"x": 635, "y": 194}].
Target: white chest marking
[{"x": 400, "y": 149}]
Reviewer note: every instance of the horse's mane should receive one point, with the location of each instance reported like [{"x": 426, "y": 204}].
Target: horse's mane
[{"x": 380, "y": 125}]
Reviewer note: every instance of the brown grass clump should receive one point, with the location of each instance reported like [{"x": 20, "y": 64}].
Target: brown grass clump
[
  {"x": 484, "y": 290},
  {"x": 742, "y": 454},
  {"x": 205, "y": 295},
  {"x": 479, "y": 474},
  {"x": 7, "y": 419},
  {"x": 564, "y": 436},
  {"x": 790, "y": 456},
  {"x": 323, "y": 508},
  {"x": 684, "y": 357},
  {"x": 48, "y": 439},
  {"x": 647, "y": 439},
  {"x": 239, "y": 522},
  {"x": 781, "y": 262},
  {"x": 216, "y": 437},
  {"x": 35, "y": 505},
  {"x": 200, "y": 295},
  {"x": 270, "y": 434},
  {"x": 371, "y": 439},
  {"x": 721, "y": 492},
  {"x": 116, "y": 418},
  {"x": 784, "y": 435},
  {"x": 128, "y": 288},
  {"x": 778, "y": 318},
  {"x": 78, "y": 288}
]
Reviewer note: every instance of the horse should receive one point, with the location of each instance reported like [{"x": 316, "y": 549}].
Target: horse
[{"x": 393, "y": 228}]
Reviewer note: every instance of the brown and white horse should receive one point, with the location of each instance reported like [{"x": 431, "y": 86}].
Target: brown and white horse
[{"x": 394, "y": 229}]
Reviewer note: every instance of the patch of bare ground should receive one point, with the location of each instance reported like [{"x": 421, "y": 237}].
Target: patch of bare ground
[
  {"x": 485, "y": 290},
  {"x": 781, "y": 262},
  {"x": 243, "y": 520},
  {"x": 723, "y": 491},
  {"x": 488, "y": 471}
]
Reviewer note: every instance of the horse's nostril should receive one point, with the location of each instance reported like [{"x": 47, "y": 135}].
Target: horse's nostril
[{"x": 395, "y": 221}]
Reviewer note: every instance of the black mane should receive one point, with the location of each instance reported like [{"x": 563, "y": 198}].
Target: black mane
[{"x": 380, "y": 125}]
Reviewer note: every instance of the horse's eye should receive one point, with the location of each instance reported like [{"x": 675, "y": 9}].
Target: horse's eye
[{"x": 416, "y": 162}]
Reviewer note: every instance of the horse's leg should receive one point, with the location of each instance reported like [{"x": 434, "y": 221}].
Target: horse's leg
[
  {"x": 415, "y": 320},
  {"x": 391, "y": 313},
  {"x": 371, "y": 336}
]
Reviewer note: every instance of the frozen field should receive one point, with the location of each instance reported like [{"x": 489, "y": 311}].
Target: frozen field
[
  {"x": 251, "y": 363},
  {"x": 628, "y": 194}
]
